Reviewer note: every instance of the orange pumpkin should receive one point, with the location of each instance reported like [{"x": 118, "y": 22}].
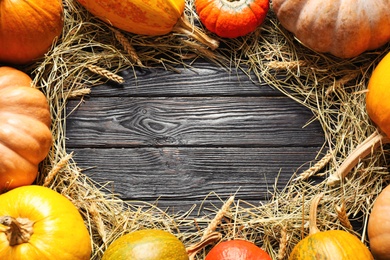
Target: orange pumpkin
[
  {"x": 344, "y": 28},
  {"x": 231, "y": 19},
  {"x": 379, "y": 227},
  {"x": 150, "y": 17},
  {"x": 38, "y": 223},
  {"x": 25, "y": 136},
  {"x": 237, "y": 250},
  {"x": 378, "y": 107},
  {"x": 28, "y": 29}
]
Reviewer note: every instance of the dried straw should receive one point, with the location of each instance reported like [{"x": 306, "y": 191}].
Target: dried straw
[{"x": 333, "y": 89}]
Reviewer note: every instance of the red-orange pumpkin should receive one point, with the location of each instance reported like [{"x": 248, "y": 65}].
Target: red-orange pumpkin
[
  {"x": 237, "y": 250},
  {"x": 28, "y": 29},
  {"x": 25, "y": 135},
  {"x": 232, "y": 18}
]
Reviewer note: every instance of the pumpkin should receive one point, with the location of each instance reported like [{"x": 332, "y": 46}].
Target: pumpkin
[
  {"x": 379, "y": 227},
  {"x": 28, "y": 29},
  {"x": 25, "y": 135},
  {"x": 237, "y": 250},
  {"x": 231, "y": 18},
  {"x": 378, "y": 110},
  {"x": 331, "y": 244},
  {"x": 38, "y": 223},
  {"x": 377, "y": 105},
  {"x": 344, "y": 28},
  {"x": 147, "y": 244},
  {"x": 151, "y": 17}
]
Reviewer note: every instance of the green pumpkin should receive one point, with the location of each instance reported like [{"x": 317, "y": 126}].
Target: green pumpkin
[{"x": 148, "y": 244}]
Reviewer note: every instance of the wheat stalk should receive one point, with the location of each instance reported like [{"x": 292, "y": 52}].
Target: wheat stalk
[
  {"x": 55, "y": 170},
  {"x": 105, "y": 73}
]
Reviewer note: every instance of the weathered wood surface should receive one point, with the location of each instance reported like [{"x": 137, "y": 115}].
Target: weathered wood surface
[{"x": 177, "y": 137}]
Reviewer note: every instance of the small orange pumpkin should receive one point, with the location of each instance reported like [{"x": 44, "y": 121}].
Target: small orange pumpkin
[
  {"x": 25, "y": 135},
  {"x": 232, "y": 18},
  {"x": 28, "y": 29},
  {"x": 238, "y": 250},
  {"x": 331, "y": 244},
  {"x": 38, "y": 223},
  {"x": 379, "y": 227}
]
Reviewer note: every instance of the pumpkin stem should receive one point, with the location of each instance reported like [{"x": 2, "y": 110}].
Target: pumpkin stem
[
  {"x": 313, "y": 214},
  {"x": 185, "y": 27},
  {"x": 18, "y": 230},
  {"x": 370, "y": 144},
  {"x": 210, "y": 238}
]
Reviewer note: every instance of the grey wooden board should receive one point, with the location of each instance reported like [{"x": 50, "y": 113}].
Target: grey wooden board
[{"x": 177, "y": 137}]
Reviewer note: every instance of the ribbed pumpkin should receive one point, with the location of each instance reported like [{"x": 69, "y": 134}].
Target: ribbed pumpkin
[
  {"x": 331, "y": 244},
  {"x": 344, "y": 28},
  {"x": 379, "y": 226},
  {"x": 28, "y": 29},
  {"x": 25, "y": 135},
  {"x": 378, "y": 109},
  {"x": 232, "y": 18},
  {"x": 150, "y": 17},
  {"x": 147, "y": 244},
  {"x": 38, "y": 223}
]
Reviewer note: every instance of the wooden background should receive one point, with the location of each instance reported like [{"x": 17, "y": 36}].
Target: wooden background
[{"x": 177, "y": 137}]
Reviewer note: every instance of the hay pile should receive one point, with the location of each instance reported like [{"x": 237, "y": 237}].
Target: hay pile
[{"x": 91, "y": 52}]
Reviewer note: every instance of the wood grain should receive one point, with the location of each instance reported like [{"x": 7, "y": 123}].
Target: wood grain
[{"x": 178, "y": 137}]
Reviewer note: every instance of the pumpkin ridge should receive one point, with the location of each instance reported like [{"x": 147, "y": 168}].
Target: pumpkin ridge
[{"x": 37, "y": 140}]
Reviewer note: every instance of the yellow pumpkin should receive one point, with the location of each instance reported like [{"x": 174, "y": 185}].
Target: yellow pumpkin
[
  {"x": 331, "y": 244},
  {"x": 37, "y": 223},
  {"x": 28, "y": 29},
  {"x": 25, "y": 135},
  {"x": 147, "y": 17},
  {"x": 344, "y": 28}
]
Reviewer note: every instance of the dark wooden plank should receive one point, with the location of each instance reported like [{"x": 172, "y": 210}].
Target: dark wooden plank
[
  {"x": 201, "y": 79},
  {"x": 176, "y": 137},
  {"x": 191, "y": 121},
  {"x": 189, "y": 174}
]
